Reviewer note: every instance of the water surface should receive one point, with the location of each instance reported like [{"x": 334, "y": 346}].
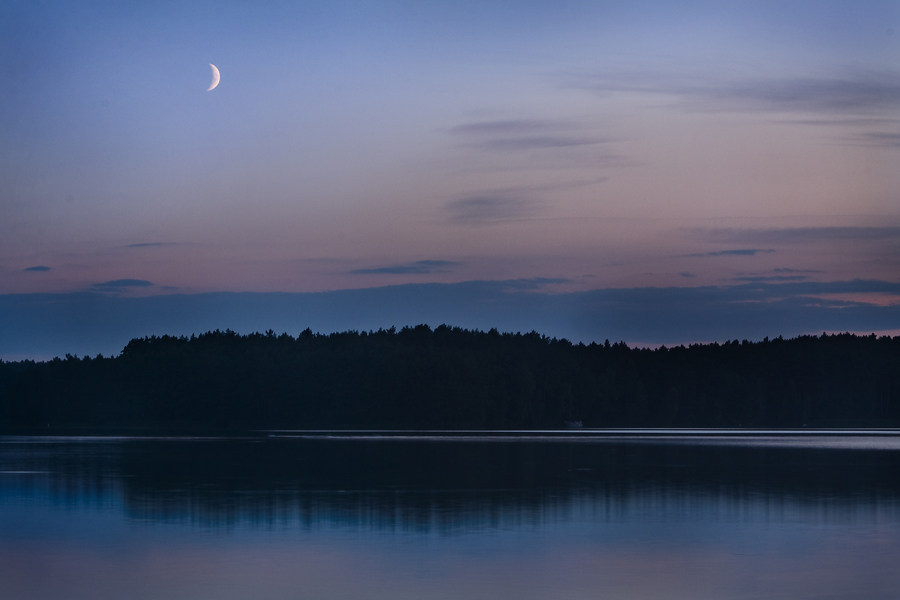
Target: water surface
[{"x": 640, "y": 514}]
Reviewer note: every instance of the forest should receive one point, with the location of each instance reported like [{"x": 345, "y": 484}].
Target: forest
[{"x": 453, "y": 378}]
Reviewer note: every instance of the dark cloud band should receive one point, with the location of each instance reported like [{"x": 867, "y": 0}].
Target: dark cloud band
[
  {"x": 738, "y": 252},
  {"x": 122, "y": 283},
  {"x": 418, "y": 267},
  {"x": 88, "y": 323},
  {"x": 488, "y": 209},
  {"x": 793, "y": 235},
  {"x": 857, "y": 93}
]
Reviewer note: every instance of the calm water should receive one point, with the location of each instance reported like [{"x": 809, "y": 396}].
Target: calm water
[{"x": 591, "y": 516}]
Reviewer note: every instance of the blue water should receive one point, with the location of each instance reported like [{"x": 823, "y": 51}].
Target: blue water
[{"x": 539, "y": 515}]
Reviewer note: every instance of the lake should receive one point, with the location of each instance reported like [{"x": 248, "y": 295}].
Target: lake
[{"x": 524, "y": 515}]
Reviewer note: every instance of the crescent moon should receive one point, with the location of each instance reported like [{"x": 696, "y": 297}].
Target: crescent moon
[{"x": 215, "y": 78}]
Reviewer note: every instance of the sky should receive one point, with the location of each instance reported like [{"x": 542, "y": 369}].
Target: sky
[{"x": 585, "y": 169}]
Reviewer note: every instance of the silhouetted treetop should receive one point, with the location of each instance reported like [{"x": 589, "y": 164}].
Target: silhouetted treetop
[{"x": 449, "y": 377}]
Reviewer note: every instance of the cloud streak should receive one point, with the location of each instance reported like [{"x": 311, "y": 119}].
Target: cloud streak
[
  {"x": 507, "y": 127},
  {"x": 508, "y": 204},
  {"x": 859, "y": 93},
  {"x": 489, "y": 209},
  {"x": 525, "y": 134},
  {"x": 532, "y": 283},
  {"x": 419, "y": 267},
  {"x": 537, "y": 143},
  {"x": 118, "y": 284},
  {"x": 880, "y": 139},
  {"x": 738, "y": 252},
  {"x": 88, "y": 323},
  {"x": 770, "y": 278},
  {"x": 798, "y": 235},
  {"x": 38, "y": 268}
]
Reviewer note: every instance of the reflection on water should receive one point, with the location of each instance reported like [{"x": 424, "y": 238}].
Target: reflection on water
[{"x": 643, "y": 516}]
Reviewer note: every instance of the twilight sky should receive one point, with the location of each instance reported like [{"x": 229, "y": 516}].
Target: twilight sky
[{"x": 545, "y": 151}]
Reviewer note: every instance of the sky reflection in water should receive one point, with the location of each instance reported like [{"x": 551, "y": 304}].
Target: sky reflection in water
[{"x": 794, "y": 517}]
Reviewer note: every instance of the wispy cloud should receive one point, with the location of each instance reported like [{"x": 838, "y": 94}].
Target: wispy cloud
[
  {"x": 538, "y": 142},
  {"x": 37, "y": 268},
  {"x": 866, "y": 92},
  {"x": 526, "y": 134},
  {"x": 793, "y": 235},
  {"x": 812, "y": 288},
  {"x": 880, "y": 139},
  {"x": 779, "y": 275},
  {"x": 531, "y": 283},
  {"x": 688, "y": 275},
  {"x": 419, "y": 267},
  {"x": 738, "y": 252},
  {"x": 843, "y": 121},
  {"x": 510, "y": 204},
  {"x": 758, "y": 278},
  {"x": 117, "y": 284},
  {"x": 489, "y": 209},
  {"x": 857, "y": 93},
  {"x": 507, "y": 127},
  {"x": 150, "y": 244},
  {"x": 787, "y": 270}
]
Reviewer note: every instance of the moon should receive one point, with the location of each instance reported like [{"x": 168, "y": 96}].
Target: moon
[{"x": 215, "y": 78}]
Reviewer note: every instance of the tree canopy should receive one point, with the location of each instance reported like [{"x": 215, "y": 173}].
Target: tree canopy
[{"x": 448, "y": 377}]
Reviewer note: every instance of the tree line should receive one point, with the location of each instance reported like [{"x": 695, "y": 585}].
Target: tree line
[{"x": 448, "y": 377}]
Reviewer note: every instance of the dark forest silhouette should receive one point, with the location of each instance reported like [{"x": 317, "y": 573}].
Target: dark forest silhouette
[{"x": 455, "y": 378}]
